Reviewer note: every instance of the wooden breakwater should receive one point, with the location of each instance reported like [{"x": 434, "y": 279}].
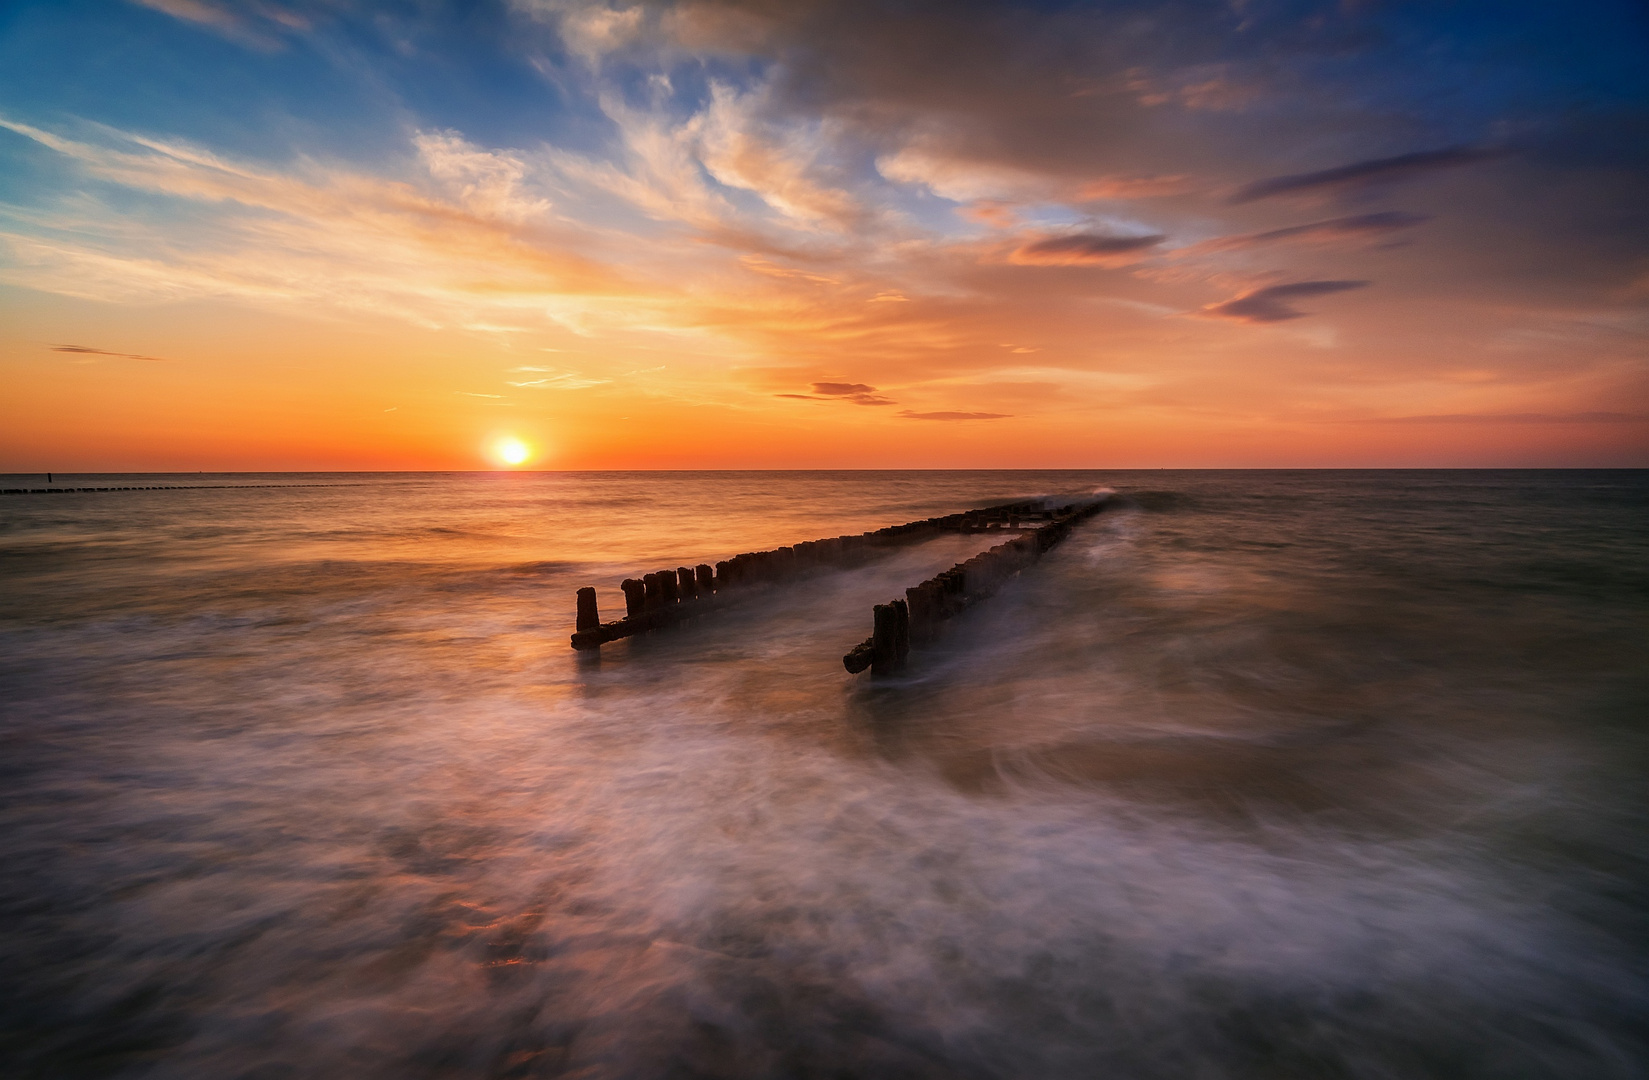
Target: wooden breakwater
[
  {"x": 667, "y": 597},
  {"x": 915, "y": 618}
]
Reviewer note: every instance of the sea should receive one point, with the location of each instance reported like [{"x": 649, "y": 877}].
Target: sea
[{"x": 1257, "y": 775}]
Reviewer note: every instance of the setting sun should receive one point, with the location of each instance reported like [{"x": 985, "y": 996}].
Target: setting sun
[{"x": 511, "y": 451}]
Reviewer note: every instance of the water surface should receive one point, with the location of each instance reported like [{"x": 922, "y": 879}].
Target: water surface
[{"x": 1309, "y": 774}]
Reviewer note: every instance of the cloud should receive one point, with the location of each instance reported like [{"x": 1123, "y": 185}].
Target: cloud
[
  {"x": 778, "y": 164},
  {"x": 1084, "y": 249},
  {"x": 997, "y": 213},
  {"x": 857, "y": 393},
  {"x": 1515, "y": 418},
  {"x": 104, "y": 352},
  {"x": 960, "y": 178},
  {"x": 1357, "y": 227},
  {"x": 251, "y": 28},
  {"x": 1205, "y": 87},
  {"x": 1365, "y": 173},
  {"x": 1270, "y": 304},
  {"x": 908, "y": 415},
  {"x": 762, "y": 198},
  {"x": 564, "y": 381},
  {"x": 487, "y": 182},
  {"x": 763, "y": 266},
  {"x": 310, "y": 234}
]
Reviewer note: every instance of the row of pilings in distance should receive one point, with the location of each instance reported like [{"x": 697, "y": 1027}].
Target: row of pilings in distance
[
  {"x": 897, "y": 624},
  {"x": 666, "y": 597}
]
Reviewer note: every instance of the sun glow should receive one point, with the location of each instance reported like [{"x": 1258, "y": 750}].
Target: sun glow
[{"x": 511, "y": 451}]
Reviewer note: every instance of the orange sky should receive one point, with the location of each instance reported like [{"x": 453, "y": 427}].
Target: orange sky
[{"x": 705, "y": 253}]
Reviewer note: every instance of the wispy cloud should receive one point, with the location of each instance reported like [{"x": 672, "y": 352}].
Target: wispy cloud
[
  {"x": 1362, "y": 174},
  {"x": 1271, "y": 304},
  {"x": 908, "y": 415},
  {"x": 762, "y": 265},
  {"x": 1356, "y": 227},
  {"x": 1514, "y": 418},
  {"x": 565, "y": 381},
  {"x": 257, "y": 25},
  {"x": 316, "y": 235},
  {"x": 86, "y": 351},
  {"x": 488, "y": 182},
  {"x": 1084, "y": 249},
  {"x": 857, "y": 393}
]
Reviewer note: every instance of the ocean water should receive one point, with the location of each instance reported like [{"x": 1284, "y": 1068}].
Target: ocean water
[{"x": 1260, "y": 774}]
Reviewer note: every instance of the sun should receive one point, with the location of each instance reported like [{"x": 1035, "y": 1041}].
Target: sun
[{"x": 511, "y": 451}]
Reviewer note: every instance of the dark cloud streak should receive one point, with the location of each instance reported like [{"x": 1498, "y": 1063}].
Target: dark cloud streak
[
  {"x": 1514, "y": 418},
  {"x": 857, "y": 393},
  {"x": 1270, "y": 304},
  {"x": 1359, "y": 226},
  {"x": 1084, "y": 248},
  {"x": 1364, "y": 173}
]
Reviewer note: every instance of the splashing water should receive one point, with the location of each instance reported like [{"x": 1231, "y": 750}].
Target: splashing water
[{"x": 1257, "y": 775}]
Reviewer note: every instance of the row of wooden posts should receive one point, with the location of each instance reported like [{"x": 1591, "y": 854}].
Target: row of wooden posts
[
  {"x": 915, "y": 618},
  {"x": 668, "y": 597}
]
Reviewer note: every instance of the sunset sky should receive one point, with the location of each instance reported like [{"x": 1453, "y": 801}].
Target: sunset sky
[{"x": 318, "y": 234}]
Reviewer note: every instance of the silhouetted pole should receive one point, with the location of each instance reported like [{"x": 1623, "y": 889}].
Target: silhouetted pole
[{"x": 588, "y": 617}]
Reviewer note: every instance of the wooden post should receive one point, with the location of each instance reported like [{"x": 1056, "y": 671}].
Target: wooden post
[
  {"x": 635, "y": 596},
  {"x": 686, "y": 583},
  {"x": 916, "y": 603},
  {"x": 706, "y": 579},
  {"x": 588, "y": 617},
  {"x": 655, "y": 592},
  {"x": 901, "y": 633},
  {"x": 667, "y": 587},
  {"x": 883, "y": 651}
]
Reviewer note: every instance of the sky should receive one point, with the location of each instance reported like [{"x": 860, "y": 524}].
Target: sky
[{"x": 335, "y": 234}]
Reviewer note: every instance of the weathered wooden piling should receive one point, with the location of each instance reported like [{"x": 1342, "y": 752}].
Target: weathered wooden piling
[
  {"x": 915, "y": 619},
  {"x": 588, "y": 617},
  {"x": 884, "y": 646}
]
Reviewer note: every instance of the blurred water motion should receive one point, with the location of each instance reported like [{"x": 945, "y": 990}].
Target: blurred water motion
[{"x": 1259, "y": 775}]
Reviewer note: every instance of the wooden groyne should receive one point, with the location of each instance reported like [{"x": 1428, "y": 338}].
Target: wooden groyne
[
  {"x": 915, "y": 619},
  {"x": 667, "y": 597}
]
